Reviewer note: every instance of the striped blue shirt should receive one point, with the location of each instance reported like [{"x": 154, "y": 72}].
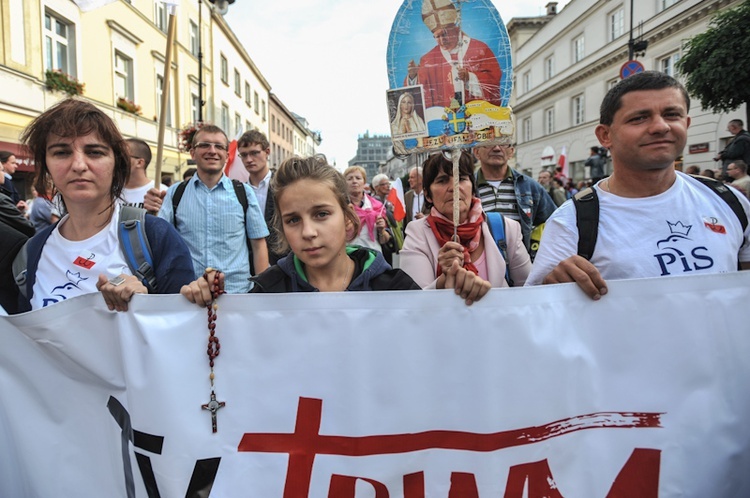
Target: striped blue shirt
[{"x": 210, "y": 221}]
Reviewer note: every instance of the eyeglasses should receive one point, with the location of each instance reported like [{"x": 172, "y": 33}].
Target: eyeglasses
[
  {"x": 208, "y": 145},
  {"x": 252, "y": 153}
]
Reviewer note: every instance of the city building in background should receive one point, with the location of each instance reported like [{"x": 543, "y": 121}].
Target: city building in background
[
  {"x": 373, "y": 151},
  {"x": 114, "y": 56},
  {"x": 565, "y": 62}
]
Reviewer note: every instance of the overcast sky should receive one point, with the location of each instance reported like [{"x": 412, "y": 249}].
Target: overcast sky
[{"x": 326, "y": 60}]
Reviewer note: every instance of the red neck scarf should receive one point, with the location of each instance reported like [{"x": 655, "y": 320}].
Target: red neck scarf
[{"x": 469, "y": 232}]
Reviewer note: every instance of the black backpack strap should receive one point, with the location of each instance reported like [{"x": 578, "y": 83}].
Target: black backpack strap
[
  {"x": 723, "y": 191},
  {"x": 176, "y": 197},
  {"x": 131, "y": 233},
  {"x": 239, "y": 191},
  {"x": 587, "y": 220}
]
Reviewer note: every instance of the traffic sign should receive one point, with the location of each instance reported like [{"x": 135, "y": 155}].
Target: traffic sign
[{"x": 630, "y": 68}]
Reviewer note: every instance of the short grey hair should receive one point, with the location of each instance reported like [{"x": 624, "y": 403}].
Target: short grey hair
[{"x": 378, "y": 179}]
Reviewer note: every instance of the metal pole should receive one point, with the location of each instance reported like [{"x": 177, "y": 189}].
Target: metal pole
[
  {"x": 631, "y": 42},
  {"x": 200, "y": 61}
]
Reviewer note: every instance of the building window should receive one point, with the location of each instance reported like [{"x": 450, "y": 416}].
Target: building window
[
  {"x": 225, "y": 118},
  {"x": 549, "y": 67},
  {"x": 59, "y": 44},
  {"x": 123, "y": 76},
  {"x": 667, "y": 64},
  {"x": 578, "y": 47},
  {"x": 224, "y": 70},
  {"x": 159, "y": 93},
  {"x": 248, "y": 126},
  {"x": 237, "y": 83},
  {"x": 194, "y": 48},
  {"x": 549, "y": 120},
  {"x": 578, "y": 110},
  {"x": 665, "y": 4},
  {"x": 247, "y": 94},
  {"x": 195, "y": 104},
  {"x": 263, "y": 110},
  {"x": 256, "y": 100},
  {"x": 616, "y": 24},
  {"x": 527, "y": 129},
  {"x": 160, "y": 16},
  {"x": 526, "y": 81},
  {"x": 612, "y": 83},
  {"x": 237, "y": 123}
]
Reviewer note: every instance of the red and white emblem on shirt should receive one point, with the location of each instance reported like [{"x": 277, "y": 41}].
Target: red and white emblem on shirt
[
  {"x": 84, "y": 263},
  {"x": 713, "y": 224}
]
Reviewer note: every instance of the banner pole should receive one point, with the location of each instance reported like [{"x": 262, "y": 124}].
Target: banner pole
[{"x": 164, "y": 98}]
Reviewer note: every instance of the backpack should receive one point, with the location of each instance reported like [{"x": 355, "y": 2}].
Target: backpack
[
  {"x": 131, "y": 233},
  {"x": 497, "y": 229},
  {"x": 239, "y": 191},
  {"x": 587, "y": 213}
]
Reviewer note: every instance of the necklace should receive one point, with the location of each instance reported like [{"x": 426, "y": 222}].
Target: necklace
[
  {"x": 348, "y": 274},
  {"x": 347, "y": 277},
  {"x": 605, "y": 184},
  {"x": 214, "y": 346}
]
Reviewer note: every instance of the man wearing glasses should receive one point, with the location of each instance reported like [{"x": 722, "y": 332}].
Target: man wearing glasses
[
  {"x": 210, "y": 217},
  {"x": 254, "y": 149}
]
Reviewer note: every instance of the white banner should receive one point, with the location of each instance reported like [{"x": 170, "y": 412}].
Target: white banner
[{"x": 530, "y": 392}]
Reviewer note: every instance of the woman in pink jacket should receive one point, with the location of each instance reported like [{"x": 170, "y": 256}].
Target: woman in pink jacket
[{"x": 474, "y": 264}]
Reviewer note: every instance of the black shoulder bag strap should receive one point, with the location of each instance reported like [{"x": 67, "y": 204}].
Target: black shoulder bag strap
[
  {"x": 587, "y": 220},
  {"x": 176, "y": 197}
]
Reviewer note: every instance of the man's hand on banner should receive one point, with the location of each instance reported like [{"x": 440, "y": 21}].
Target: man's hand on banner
[{"x": 581, "y": 271}]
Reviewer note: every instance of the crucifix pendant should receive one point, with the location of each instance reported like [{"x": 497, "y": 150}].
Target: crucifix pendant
[{"x": 213, "y": 406}]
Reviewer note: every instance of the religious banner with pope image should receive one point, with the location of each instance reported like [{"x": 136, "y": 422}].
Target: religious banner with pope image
[
  {"x": 450, "y": 76},
  {"x": 530, "y": 393}
]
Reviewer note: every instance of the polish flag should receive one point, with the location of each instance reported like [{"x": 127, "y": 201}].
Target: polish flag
[
  {"x": 234, "y": 168},
  {"x": 396, "y": 197},
  {"x": 562, "y": 162}
]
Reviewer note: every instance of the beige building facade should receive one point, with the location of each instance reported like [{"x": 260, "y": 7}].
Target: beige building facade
[
  {"x": 117, "y": 52},
  {"x": 565, "y": 62}
]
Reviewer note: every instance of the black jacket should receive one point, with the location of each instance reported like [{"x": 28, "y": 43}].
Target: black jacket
[{"x": 371, "y": 272}]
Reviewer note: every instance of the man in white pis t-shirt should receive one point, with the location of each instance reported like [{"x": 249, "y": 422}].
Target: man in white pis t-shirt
[
  {"x": 138, "y": 182},
  {"x": 653, "y": 220}
]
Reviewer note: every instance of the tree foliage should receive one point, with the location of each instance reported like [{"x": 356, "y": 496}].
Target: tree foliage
[{"x": 716, "y": 63}]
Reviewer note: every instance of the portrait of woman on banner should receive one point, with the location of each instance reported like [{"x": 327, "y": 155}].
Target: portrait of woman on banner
[{"x": 407, "y": 123}]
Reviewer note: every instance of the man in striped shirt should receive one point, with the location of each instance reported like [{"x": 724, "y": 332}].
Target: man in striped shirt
[{"x": 515, "y": 195}]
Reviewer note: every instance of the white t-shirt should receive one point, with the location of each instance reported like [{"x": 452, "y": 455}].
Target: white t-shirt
[
  {"x": 261, "y": 191},
  {"x": 687, "y": 230},
  {"x": 71, "y": 268},
  {"x": 135, "y": 196}
]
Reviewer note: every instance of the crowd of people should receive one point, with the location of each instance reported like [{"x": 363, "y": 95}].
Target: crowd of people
[{"x": 103, "y": 226}]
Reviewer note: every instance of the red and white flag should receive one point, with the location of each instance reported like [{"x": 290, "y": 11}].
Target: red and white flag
[
  {"x": 234, "y": 168},
  {"x": 562, "y": 162}
]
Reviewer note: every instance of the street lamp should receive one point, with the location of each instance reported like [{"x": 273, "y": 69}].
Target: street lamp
[{"x": 222, "y": 7}]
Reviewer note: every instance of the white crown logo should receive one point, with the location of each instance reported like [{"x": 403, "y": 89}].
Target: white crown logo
[{"x": 679, "y": 229}]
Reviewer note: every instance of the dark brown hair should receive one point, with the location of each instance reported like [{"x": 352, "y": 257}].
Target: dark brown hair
[
  {"x": 74, "y": 118},
  {"x": 437, "y": 163}
]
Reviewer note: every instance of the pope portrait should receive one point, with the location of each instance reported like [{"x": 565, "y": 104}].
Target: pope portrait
[{"x": 458, "y": 66}]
